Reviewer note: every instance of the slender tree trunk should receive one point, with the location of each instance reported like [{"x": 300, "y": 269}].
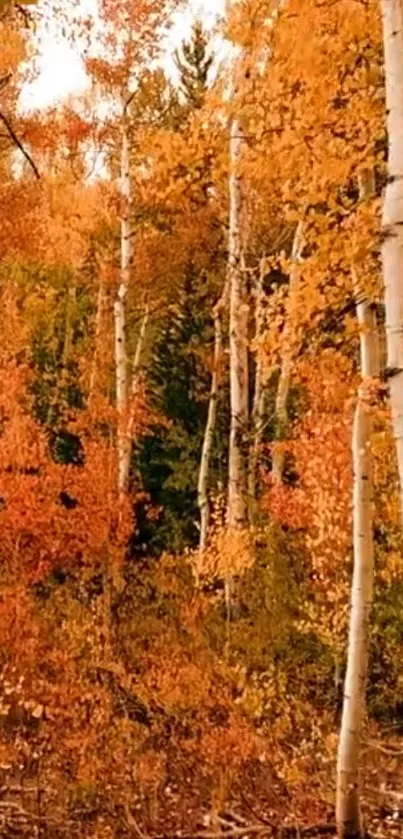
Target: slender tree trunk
[
  {"x": 97, "y": 336},
  {"x": 288, "y": 349},
  {"x": 134, "y": 389},
  {"x": 202, "y": 486},
  {"x": 136, "y": 368},
  {"x": 258, "y": 407},
  {"x": 123, "y": 441},
  {"x": 238, "y": 339},
  {"x": 392, "y": 222},
  {"x": 67, "y": 345},
  {"x": 348, "y": 809},
  {"x": 68, "y": 322}
]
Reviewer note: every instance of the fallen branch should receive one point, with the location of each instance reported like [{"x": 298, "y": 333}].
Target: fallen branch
[
  {"x": 132, "y": 823},
  {"x": 232, "y": 832},
  {"x": 386, "y": 750}
]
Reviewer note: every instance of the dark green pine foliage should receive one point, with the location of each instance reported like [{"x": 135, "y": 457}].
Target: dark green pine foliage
[
  {"x": 194, "y": 60},
  {"x": 169, "y": 457},
  {"x": 168, "y": 460}
]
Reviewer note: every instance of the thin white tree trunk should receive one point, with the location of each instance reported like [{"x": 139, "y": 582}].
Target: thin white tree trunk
[
  {"x": 136, "y": 370},
  {"x": 238, "y": 338},
  {"x": 258, "y": 406},
  {"x": 288, "y": 350},
  {"x": 392, "y": 221},
  {"x": 97, "y": 336},
  {"x": 202, "y": 486},
  {"x": 123, "y": 441},
  {"x": 348, "y": 809},
  {"x": 134, "y": 389},
  {"x": 136, "y": 366}
]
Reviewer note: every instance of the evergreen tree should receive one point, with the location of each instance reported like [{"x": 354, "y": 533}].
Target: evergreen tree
[
  {"x": 193, "y": 61},
  {"x": 168, "y": 460}
]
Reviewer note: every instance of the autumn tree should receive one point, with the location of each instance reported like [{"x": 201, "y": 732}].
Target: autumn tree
[
  {"x": 392, "y": 15},
  {"x": 124, "y": 709},
  {"x": 183, "y": 334},
  {"x": 348, "y": 805},
  {"x": 131, "y": 39},
  {"x": 238, "y": 329}
]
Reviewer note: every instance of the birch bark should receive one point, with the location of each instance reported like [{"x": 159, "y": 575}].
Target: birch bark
[
  {"x": 202, "y": 487},
  {"x": 392, "y": 221},
  {"x": 238, "y": 338},
  {"x": 136, "y": 372},
  {"x": 258, "y": 406},
  {"x": 121, "y": 365},
  {"x": 288, "y": 349},
  {"x": 97, "y": 336},
  {"x": 348, "y": 809}
]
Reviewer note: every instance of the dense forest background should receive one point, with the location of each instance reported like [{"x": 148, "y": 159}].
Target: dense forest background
[{"x": 191, "y": 277}]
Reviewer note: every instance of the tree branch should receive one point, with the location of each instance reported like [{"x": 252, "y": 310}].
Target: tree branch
[
  {"x": 19, "y": 145},
  {"x": 4, "y": 80}
]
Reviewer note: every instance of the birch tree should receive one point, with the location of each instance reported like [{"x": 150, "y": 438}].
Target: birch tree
[
  {"x": 121, "y": 363},
  {"x": 205, "y": 459},
  {"x": 258, "y": 405},
  {"x": 99, "y": 313},
  {"x": 238, "y": 337},
  {"x": 287, "y": 351},
  {"x": 130, "y": 36},
  {"x": 136, "y": 370},
  {"x": 392, "y": 221},
  {"x": 348, "y": 810}
]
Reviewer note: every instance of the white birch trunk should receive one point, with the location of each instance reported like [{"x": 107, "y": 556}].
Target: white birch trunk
[
  {"x": 136, "y": 366},
  {"x": 97, "y": 336},
  {"x": 392, "y": 221},
  {"x": 123, "y": 441},
  {"x": 134, "y": 389},
  {"x": 348, "y": 810},
  {"x": 202, "y": 486},
  {"x": 136, "y": 370},
  {"x": 238, "y": 339},
  {"x": 258, "y": 407},
  {"x": 288, "y": 350}
]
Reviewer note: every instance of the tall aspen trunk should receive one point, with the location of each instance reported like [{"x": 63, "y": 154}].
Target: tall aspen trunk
[
  {"x": 97, "y": 336},
  {"x": 238, "y": 339},
  {"x": 136, "y": 370},
  {"x": 134, "y": 389},
  {"x": 123, "y": 441},
  {"x": 348, "y": 809},
  {"x": 288, "y": 350},
  {"x": 392, "y": 221},
  {"x": 238, "y": 356},
  {"x": 136, "y": 366},
  {"x": 258, "y": 406},
  {"x": 202, "y": 486}
]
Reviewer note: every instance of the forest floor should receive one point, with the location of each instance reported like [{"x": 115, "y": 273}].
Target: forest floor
[{"x": 259, "y": 806}]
